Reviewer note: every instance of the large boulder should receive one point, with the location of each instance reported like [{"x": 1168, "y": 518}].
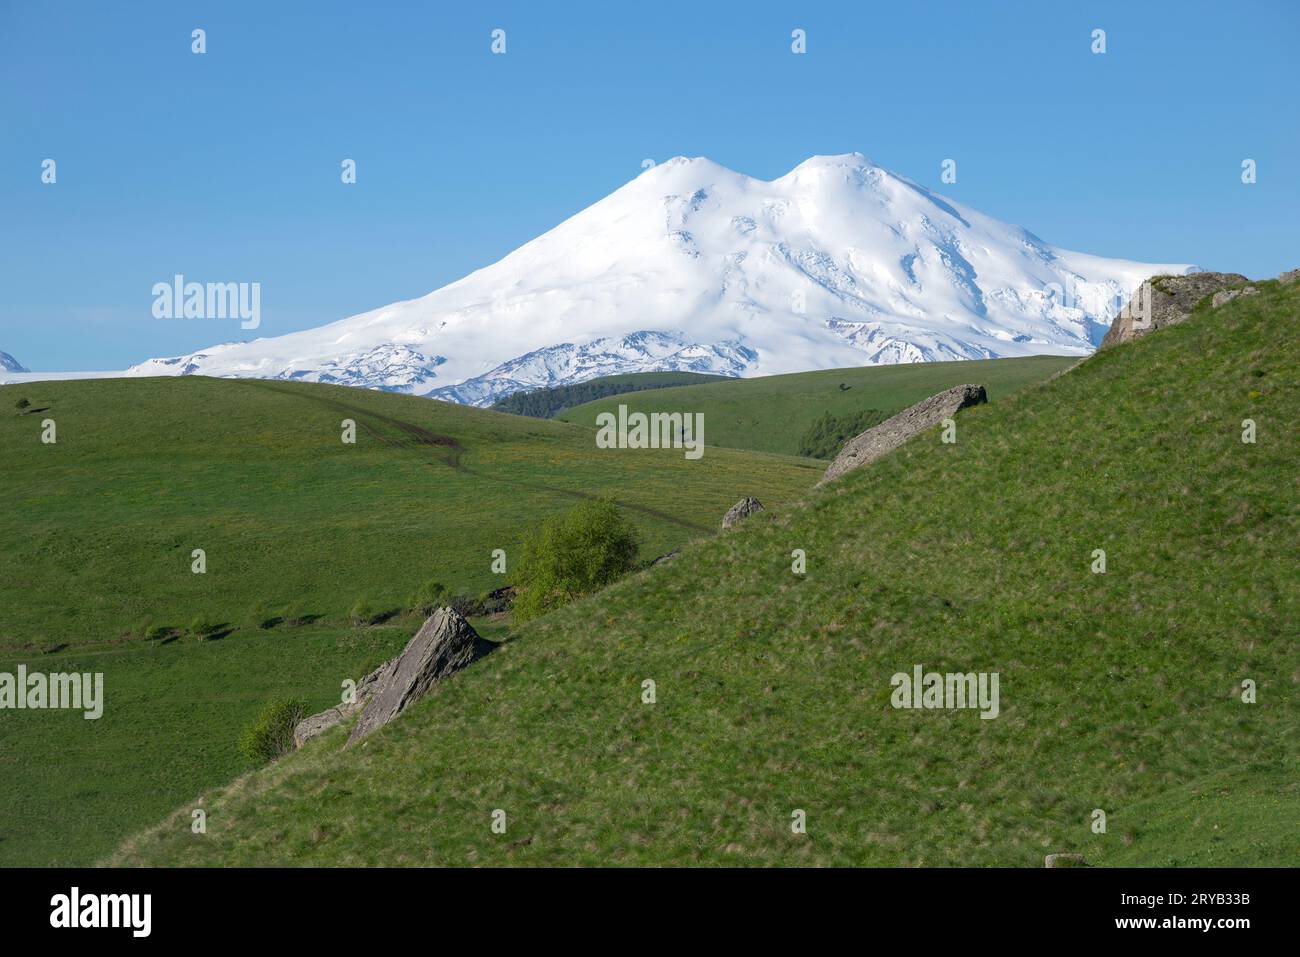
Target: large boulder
[
  {"x": 308, "y": 728},
  {"x": 746, "y": 507},
  {"x": 444, "y": 645},
  {"x": 1165, "y": 300},
  {"x": 896, "y": 430},
  {"x": 1288, "y": 277}
]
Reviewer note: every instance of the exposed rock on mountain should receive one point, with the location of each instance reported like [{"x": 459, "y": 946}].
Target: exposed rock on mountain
[
  {"x": 1227, "y": 295},
  {"x": 896, "y": 430},
  {"x": 444, "y": 645},
  {"x": 1164, "y": 301},
  {"x": 746, "y": 507},
  {"x": 567, "y": 363},
  {"x": 9, "y": 364}
]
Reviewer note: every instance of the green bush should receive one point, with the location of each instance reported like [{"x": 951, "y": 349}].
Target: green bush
[
  {"x": 428, "y": 598},
  {"x": 156, "y": 632},
  {"x": 271, "y": 734},
  {"x": 573, "y": 554},
  {"x": 363, "y": 613},
  {"x": 22, "y": 404},
  {"x": 200, "y": 628},
  {"x": 825, "y": 437}
]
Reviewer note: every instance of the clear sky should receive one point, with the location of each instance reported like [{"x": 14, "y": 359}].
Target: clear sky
[{"x": 226, "y": 166}]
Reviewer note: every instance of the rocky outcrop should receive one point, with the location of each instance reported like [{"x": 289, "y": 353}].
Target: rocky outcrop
[
  {"x": 1165, "y": 300},
  {"x": 1288, "y": 277},
  {"x": 746, "y": 507},
  {"x": 308, "y": 728},
  {"x": 444, "y": 645},
  {"x": 1064, "y": 860},
  {"x": 896, "y": 430},
  {"x": 1227, "y": 295}
]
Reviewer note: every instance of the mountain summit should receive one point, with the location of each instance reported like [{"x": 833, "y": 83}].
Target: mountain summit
[{"x": 695, "y": 267}]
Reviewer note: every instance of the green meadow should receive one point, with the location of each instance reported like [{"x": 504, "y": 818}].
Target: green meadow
[
  {"x": 1126, "y": 691},
  {"x": 99, "y": 529},
  {"x": 770, "y": 413}
]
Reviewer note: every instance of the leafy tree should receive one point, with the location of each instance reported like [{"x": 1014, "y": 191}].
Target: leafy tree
[{"x": 572, "y": 555}]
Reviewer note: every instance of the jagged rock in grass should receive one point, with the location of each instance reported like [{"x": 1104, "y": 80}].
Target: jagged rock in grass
[
  {"x": 897, "y": 429},
  {"x": 444, "y": 645},
  {"x": 1227, "y": 295},
  {"x": 308, "y": 728},
  {"x": 1065, "y": 860},
  {"x": 1165, "y": 300},
  {"x": 671, "y": 555},
  {"x": 1288, "y": 277},
  {"x": 746, "y": 507}
]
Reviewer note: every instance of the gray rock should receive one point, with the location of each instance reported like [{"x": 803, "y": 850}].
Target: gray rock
[
  {"x": 1065, "y": 860},
  {"x": 444, "y": 645},
  {"x": 897, "y": 429},
  {"x": 1289, "y": 277},
  {"x": 309, "y": 728},
  {"x": 746, "y": 507},
  {"x": 1165, "y": 300},
  {"x": 1227, "y": 295}
]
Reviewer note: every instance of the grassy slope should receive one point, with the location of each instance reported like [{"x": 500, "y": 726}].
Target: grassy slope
[
  {"x": 1118, "y": 691},
  {"x": 769, "y": 414},
  {"x": 98, "y": 529}
]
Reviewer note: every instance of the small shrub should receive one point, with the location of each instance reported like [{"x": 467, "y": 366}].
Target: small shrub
[
  {"x": 157, "y": 632},
  {"x": 201, "y": 628},
  {"x": 271, "y": 733},
  {"x": 22, "y": 404},
  {"x": 363, "y": 613},
  {"x": 573, "y": 554},
  {"x": 428, "y": 598}
]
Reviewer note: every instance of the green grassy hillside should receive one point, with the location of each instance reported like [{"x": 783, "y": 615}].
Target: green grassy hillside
[
  {"x": 98, "y": 530},
  {"x": 769, "y": 414},
  {"x": 1118, "y": 691}
]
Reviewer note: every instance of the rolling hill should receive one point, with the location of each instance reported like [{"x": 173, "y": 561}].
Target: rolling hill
[
  {"x": 770, "y": 413},
  {"x": 99, "y": 530},
  {"x": 1121, "y": 691}
]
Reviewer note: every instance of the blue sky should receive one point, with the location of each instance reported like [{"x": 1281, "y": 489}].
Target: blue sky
[{"x": 225, "y": 166}]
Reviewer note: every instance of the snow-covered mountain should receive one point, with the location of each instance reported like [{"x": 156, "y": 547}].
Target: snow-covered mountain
[
  {"x": 9, "y": 364},
  {"x": 694, "y": 266}
]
